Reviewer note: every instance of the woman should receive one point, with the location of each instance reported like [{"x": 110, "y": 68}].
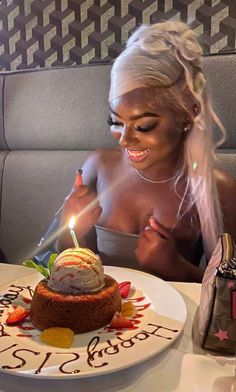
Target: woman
[{"x": 156, "y": 200}]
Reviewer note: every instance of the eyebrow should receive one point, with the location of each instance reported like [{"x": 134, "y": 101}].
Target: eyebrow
[{"x": 137, "y": 116}]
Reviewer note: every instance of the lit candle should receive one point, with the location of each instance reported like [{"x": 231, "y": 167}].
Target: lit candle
[{"x": 72, "y": 232}]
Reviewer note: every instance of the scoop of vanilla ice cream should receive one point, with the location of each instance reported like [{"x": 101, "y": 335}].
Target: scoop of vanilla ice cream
[{"x": 77, "y": 270}]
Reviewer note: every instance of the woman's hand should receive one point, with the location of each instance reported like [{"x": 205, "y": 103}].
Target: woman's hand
[
  {"x": 82, "y": 203},
  {"x": 156, "y": 250}
]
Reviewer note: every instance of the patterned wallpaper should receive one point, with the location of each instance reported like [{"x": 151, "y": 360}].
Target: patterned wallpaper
[{"x": 47, "y": 33}]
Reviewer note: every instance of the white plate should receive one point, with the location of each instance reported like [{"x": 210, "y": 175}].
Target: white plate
[{"x": 161, "y": 315}]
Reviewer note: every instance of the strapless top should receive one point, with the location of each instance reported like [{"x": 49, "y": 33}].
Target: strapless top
[{"x": 118, "y": 248}]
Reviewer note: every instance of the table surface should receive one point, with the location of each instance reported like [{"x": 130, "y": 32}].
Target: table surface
[{"x": 183, "y": 367}]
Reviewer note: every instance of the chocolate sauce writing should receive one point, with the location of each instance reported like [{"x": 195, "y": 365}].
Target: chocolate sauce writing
[
  {"x": 96, "y": 353},
  {"x": 96, "y": 358}
]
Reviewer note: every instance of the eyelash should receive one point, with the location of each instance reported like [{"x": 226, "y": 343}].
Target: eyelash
[
  {"x": 144, "y": 130},
  {"x": 139, "y": 129},
  {"x": 111, "y": 122}
]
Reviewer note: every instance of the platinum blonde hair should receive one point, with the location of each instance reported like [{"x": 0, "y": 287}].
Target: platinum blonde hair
[{"x": 167, "y": 57}]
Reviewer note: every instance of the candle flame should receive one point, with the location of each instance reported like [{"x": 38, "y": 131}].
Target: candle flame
[{"x": 71, "y": 223}]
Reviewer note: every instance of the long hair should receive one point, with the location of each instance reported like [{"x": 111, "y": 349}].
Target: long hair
[{"x": 167, "y": 57}]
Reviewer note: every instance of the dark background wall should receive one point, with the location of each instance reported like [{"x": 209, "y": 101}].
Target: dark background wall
[{"x": 48, "y": 33}]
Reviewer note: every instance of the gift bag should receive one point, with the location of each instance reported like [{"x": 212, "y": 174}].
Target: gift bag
[{"x": 217, "y": 309}]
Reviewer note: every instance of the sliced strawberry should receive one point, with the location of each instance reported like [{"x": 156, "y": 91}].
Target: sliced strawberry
[
  {"x": 124, "y": 288},
  {"x": 27, "y": 300},
  {"x": 120, "y": 322},
  {"x": 18, "y": 315}
]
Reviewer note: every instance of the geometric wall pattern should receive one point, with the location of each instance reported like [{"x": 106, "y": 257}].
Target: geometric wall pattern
[{"x": 48, "y": 33}]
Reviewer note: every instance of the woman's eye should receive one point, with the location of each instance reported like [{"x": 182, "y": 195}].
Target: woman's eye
[
  {"x": 146, "y": 129},
  {"x": 111, "y": 122}
]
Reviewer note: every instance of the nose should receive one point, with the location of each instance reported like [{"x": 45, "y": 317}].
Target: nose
[{"x": 127, "y": 137}]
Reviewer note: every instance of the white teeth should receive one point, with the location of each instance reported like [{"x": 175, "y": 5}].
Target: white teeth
[{"x": 136, "y": 153}]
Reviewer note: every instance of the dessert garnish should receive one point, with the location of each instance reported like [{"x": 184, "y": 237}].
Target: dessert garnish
[
  {"x": 124, "y": 288},
  {"x": 45, "y": 271},
  {"x": 58, "y": 337},
  {"x": 120, "y": 322},
  {"x": 18, "y": 315},
  {"x": 128, "y": 309}
]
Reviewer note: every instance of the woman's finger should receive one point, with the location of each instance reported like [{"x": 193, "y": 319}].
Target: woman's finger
[
  {"x": 78, "y": 179},
  {"x": 163, "y": 232},
  {"x": 149, "y": 233},
  {"x": 81, "y": 191}
]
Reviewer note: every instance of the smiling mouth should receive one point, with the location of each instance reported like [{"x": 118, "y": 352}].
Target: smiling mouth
[{"x": 136, "y": 155}]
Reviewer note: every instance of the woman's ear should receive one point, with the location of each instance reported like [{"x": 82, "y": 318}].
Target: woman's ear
[
  {"x": 187, "y": 122},
  {"x": 189, "y": 119},
  {"x": 187, "y": 127},
  {"x": 195, "y": 110}
]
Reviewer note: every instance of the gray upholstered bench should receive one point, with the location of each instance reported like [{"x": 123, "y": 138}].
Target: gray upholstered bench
[{"x": 50, "y": 119}]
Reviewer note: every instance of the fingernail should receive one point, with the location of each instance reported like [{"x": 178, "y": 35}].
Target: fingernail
[
  {"x": 153, "y": 223},
  {"x": 152, "y": 219},
  {"x": 78, "y": 179}
]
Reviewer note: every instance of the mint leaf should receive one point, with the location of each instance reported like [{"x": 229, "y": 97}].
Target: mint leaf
[
  {"x": 31, "y": 264},
  {"x": 51, "y": 260}
]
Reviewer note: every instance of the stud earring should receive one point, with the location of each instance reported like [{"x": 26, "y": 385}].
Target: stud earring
[
  {"x": 188, "y": 127},
  {"x": 195, "y": 110}
]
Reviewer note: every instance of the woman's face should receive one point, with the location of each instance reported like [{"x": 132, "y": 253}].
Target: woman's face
[{"x": 148, "y": 133}]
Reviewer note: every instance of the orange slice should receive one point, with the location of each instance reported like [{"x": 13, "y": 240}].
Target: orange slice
[
  {"x": 128, "y": 309},
  {"x": 58, "y": 337}
]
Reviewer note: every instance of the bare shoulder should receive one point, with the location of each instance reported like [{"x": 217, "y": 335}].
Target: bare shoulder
[
  {"x": 109, "y": 155},
  {"x": 97, "y": 161},
  {"x": 103, "y": 156},
  {"x": 226, "y": 184}
]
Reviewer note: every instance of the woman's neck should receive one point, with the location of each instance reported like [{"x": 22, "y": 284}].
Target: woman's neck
[{"x": 164, "y": 169}]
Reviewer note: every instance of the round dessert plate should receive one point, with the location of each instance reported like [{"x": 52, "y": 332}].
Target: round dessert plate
[{"x": 158, "y": 320}]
